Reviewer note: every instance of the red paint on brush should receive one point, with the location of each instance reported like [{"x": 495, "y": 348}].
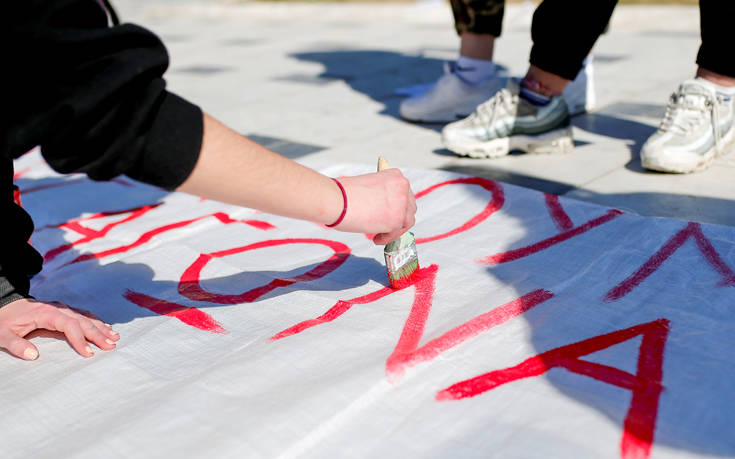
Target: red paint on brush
[
  {"x": 515, "y": 254},
  {"x": 407, "y": 353},
  {"x": 189, "y": 284},
  {"x": 403, "y": 282},
  {"x": 557, "y": 212},
  {"x": 421, "y": 276},
  {"x": 640, "y": 421},
  {"x": 691, "y": 230},
  {"x": 190, "y": 316}
]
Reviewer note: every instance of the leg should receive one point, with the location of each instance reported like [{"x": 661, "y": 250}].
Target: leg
[
  {"x": 473, "y": 78},
  {"x": 477, "y": 46},
  {"x": 713, "y": 58},
  {"x": 699, "y": 123},
  {"x": 533, "y": 116},
  {"x": 561, "y": 41}
]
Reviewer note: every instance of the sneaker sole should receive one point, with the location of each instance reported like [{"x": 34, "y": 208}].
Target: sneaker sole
[
  {"x": 435, "y": 119},
  {"x": 698, "y": 164},
  {"x": 558, "y": 141}
]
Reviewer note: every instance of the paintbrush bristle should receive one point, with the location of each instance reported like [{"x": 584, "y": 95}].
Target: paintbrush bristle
[{"x": 402, "y": 278}]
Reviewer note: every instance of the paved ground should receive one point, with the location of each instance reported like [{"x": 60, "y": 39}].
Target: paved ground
[{"x": 316, "y": 82}]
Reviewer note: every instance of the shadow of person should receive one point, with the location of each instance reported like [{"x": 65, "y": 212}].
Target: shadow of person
[
  {"x": 113, "y": 291},
  {"x": 693, "y": 412},
  {"x": 633, "y": 132},
  {"x": 380, "y": 75},
  {"x": 101, "y": 286}
]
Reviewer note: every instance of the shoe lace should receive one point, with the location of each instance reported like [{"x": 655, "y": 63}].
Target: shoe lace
[
  {"x": 487, "y": 112},
  {"x": 683, "y": 114}
]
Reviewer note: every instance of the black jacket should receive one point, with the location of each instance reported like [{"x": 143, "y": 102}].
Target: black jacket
[{"x": 93, "y": 97}]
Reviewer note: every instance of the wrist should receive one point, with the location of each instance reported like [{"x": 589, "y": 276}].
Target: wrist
[{"x": 342, "y": 214}]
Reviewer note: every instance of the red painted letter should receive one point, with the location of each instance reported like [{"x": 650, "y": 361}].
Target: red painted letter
[
  {"x": 640, "y": 421},
  {"x": 692, "y": 230},
  {"x": 189, "y": 283}
]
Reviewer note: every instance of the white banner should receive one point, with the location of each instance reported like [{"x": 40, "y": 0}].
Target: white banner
[{"x": 536, "y": 327}]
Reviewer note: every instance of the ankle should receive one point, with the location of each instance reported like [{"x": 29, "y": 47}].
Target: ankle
[
  {"x": 535, "y": 93},
  {"x": 551, "y": 82},
  {"x": 716, "y": 79},
  {"x": 475, "y": 70}
]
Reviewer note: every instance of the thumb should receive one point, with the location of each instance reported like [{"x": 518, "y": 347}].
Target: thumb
[{"x": 16, "y": 345}]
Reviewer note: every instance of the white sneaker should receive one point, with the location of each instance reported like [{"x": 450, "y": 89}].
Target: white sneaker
[
  {"x": 450, "y": 99},
  {"x": 508, "y": 122},
  {"x": 696, "y": 128},
  {"x": 580, "y": 93}
]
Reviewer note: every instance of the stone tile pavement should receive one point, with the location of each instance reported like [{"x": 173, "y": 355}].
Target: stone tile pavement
[{"x": 316, "y": 82}]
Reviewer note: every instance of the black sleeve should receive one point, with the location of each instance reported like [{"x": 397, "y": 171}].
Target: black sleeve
[
  {"x": 93, "y": 96},
  {"x": 18, "y": 260}
]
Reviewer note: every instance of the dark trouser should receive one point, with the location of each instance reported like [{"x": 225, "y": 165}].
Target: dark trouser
[
  {"x": 563, "y": 31},
  {"x": 478, "y": 16},
  {"x": 716, "y": 18}
]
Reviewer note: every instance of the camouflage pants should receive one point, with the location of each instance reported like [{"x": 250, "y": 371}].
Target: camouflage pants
[{"x": 478, "y": 16}]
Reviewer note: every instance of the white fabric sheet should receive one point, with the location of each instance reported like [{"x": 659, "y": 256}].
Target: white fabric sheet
[{"x": 621, "y": 344}]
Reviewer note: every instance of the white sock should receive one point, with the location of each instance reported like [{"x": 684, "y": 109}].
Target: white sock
[
  {"x": 475, "y": 70},
  {"x": 726, "y": 92}
]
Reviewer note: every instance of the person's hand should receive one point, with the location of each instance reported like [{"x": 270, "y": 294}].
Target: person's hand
[
  {"x": 21, "y": 317},
  {"x": 381, "y": 203}
]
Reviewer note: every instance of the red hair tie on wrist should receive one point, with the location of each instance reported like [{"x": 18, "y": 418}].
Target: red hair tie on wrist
[{"x": 344, "y": 209}]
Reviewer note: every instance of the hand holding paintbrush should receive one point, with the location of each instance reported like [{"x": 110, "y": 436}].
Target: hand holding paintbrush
[
  {"x": 379, "y": 203},
  {"x": 401, "y": 257}
]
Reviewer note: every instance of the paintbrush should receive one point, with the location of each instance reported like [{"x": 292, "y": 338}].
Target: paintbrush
[{"x": 401, "y": 257}]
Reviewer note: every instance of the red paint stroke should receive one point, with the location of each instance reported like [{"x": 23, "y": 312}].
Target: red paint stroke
[
  {"x": 147, "y": 236},
  {"x": 189, "y": 284},
  {"x": 557, "y": 212},
  {"x": 515, "y": 254},
  {"x": 407, "y": 353},
  {"x": 259, "y": 224},
  {"x": 497, "y": 201},
  {"x": 16, "y": 199},
  {"x": 691, "y": 230},
  {"x": 21, "y": 173},
  {"x": 190, "y": 316},
  {"x": 90, "y": 234},
  {"x": 57, "y": 184},
  {"x": 640, "y": 421},
  {"x": 74, "y": 181},
  {"x": 122, "y": 182},
  {"x": 420, "y": 276},
  {"x": 16, "y": 196}
]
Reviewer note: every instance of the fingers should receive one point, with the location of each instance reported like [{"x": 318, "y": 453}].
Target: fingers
[
  {"x": 385, "y": 238},
  {"x": 16, "y": 345},
  {"x": 78, "y": 329},
  {"x": 74, "y": 313}
]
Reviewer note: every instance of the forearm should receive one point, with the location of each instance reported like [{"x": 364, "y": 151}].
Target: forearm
[{"x": 236, "y": 170}]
